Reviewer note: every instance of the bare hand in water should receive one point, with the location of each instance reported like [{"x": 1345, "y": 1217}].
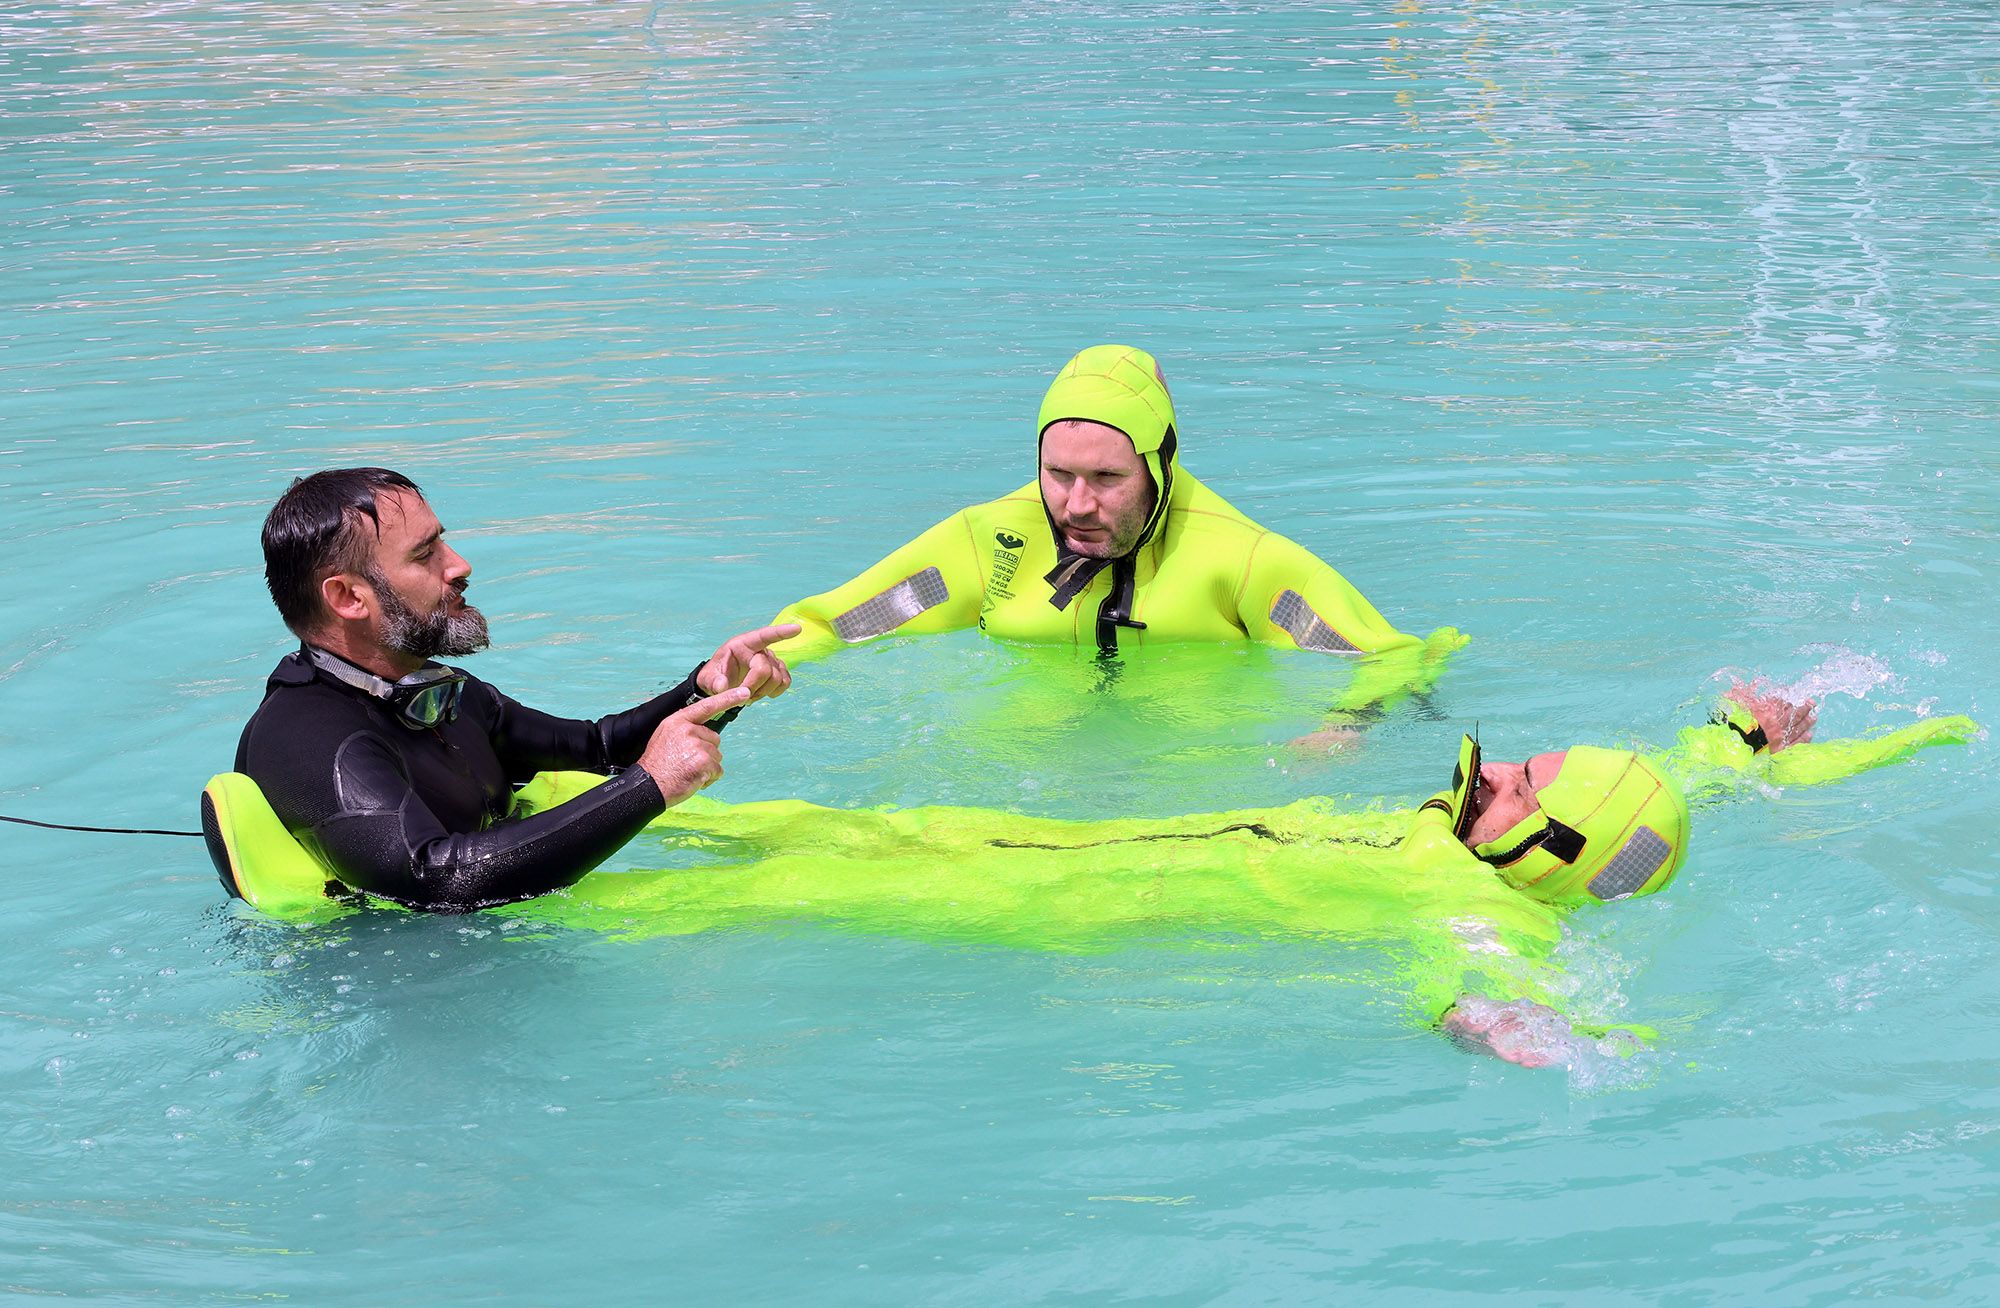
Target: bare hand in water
[
  {"x": 1785, "y": 723},
  {"x": 1329, "y": 740},
  {"x": 1524, "y": 1033}
]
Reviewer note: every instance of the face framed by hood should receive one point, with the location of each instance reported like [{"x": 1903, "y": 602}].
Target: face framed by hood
[{"x": 1121, "y": 387}]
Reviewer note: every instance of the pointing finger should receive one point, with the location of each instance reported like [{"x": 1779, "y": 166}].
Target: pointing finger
[
  {"x": 704, "y": 709},
  {"x": 751, "y": 642}
]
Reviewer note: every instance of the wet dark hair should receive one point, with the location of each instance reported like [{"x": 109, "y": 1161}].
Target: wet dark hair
[{"x": 321, "y": 525}]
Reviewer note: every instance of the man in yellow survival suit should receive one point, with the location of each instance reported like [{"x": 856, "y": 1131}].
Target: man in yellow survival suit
[
  {"x": 1465, "y": 895},
  {"x": 1117, "y": 547}
]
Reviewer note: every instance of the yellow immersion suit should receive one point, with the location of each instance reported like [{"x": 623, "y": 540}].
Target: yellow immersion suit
[
  {"x": 1201, "y": 571},
  {"x": 1210, "y": 574}
]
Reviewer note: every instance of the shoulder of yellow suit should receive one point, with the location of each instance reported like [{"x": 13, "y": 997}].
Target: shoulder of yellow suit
[
  {"x": 1197, "y": 509},
  {"x": 257, "y": 859},
  {"x": 263, "y": 864}
]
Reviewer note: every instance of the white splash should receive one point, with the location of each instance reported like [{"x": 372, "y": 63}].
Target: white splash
[{"x": 1841, "y": 672}]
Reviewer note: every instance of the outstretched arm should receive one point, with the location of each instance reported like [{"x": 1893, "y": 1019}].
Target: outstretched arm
[
  {"x": 1762, "y": 730},
  {"x": 530, "y": 741},
  {"x": 1292, "y": 598},
  {"x": 385, "y": 840},
  {"x": 932, "y": 584}
]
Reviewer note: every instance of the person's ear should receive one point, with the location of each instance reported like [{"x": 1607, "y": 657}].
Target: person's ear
[{"x": 347, "y": 597}]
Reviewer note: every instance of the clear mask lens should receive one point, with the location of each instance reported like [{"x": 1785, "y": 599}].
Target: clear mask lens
[{"x": 432, "y": 702}]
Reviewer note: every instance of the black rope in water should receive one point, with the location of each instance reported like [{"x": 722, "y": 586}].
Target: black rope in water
[{"x": 108, "y": 831}]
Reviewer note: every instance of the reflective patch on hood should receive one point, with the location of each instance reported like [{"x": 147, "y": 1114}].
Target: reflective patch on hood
[{"x": 1633, "y": 866}]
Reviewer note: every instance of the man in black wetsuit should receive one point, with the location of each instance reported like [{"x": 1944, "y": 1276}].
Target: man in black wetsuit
[{"x": 396, "y": 771}]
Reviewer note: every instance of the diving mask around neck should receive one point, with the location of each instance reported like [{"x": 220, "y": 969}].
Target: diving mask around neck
[{"x": 420, "y": 701}]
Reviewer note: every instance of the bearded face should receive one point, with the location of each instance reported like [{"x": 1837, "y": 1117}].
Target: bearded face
[{"x": 449, "y": 629}]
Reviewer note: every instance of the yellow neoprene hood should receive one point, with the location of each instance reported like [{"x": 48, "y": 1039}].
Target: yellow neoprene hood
[{"x": 1119, "y": 386}]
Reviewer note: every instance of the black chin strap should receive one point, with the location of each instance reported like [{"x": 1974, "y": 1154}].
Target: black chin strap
[
  {"x": 1563, "y": 842},
  {"x": 1116, "y": 610},
  {"x": 1072, "y": 574}
]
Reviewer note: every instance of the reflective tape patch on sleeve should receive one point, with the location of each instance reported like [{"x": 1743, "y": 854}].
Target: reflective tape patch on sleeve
[
  {"x": 1633, "y": 866},
  {"x": 1291, "y": 614},
  {"x": 893, "y": 607}
]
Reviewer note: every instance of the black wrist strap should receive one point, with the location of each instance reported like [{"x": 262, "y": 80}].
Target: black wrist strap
[{"x": 1753, "y": 735}]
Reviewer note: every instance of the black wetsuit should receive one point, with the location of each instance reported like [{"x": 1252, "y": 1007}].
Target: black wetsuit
[{"x": 415, "y": 815}]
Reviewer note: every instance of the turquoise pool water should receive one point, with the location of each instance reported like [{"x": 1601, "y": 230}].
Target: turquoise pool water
[{"x": 1641, "y": 341}]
